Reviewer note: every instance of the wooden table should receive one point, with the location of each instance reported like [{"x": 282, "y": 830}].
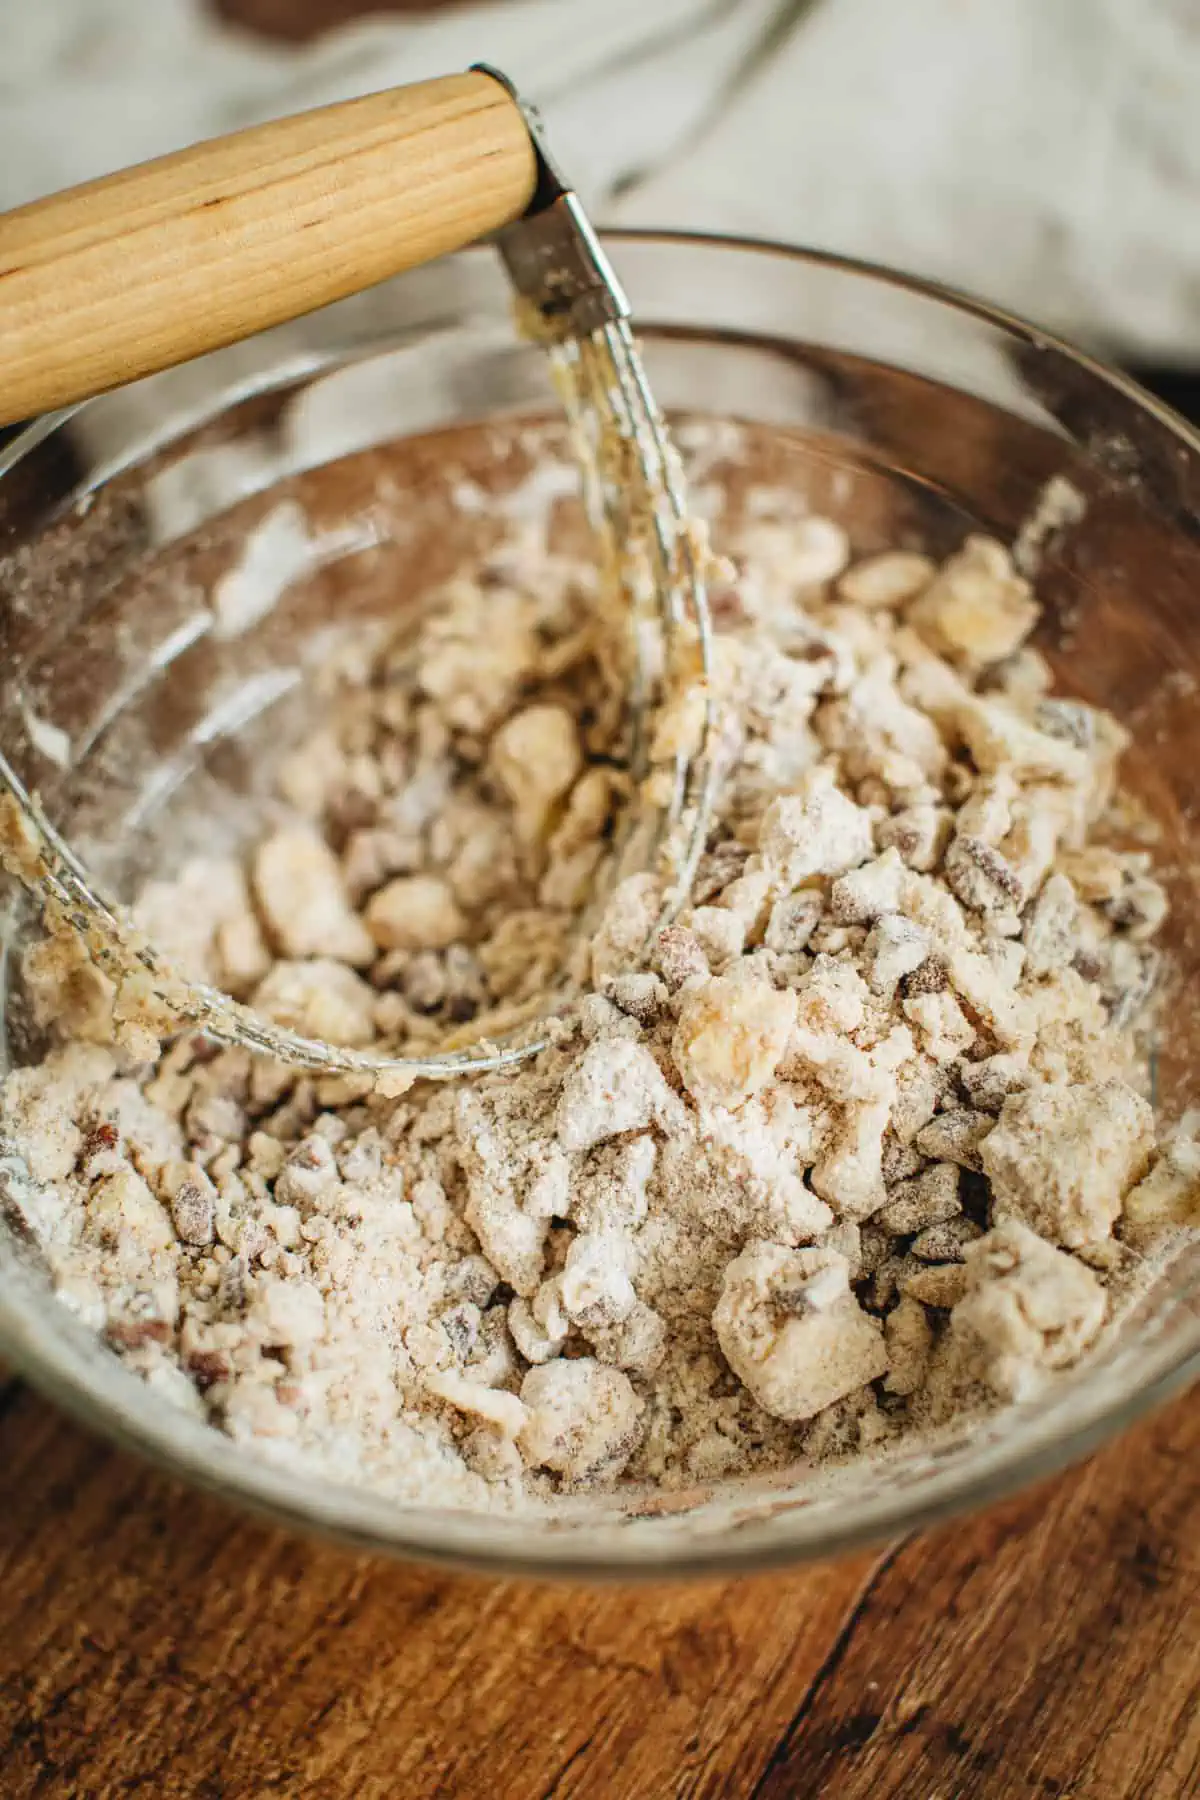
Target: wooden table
[{"x": 152, "y": 1644}]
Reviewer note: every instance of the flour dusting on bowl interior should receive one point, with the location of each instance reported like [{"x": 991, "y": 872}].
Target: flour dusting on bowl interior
[{"x": 861, "y": 1144}]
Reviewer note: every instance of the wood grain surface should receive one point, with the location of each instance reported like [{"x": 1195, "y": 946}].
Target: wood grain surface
[
  {"x": 151, "y": 1643},
  {"x": 139, "y": 270}
]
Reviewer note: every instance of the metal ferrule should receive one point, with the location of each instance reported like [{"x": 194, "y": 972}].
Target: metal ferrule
[{"x": 553, "y": 256}]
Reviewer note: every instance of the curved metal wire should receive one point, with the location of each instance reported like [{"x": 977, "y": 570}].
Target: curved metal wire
[{"x": 633, "y": 484}]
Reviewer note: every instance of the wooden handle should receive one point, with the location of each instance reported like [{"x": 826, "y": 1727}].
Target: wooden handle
[{"x": 141, "y": 270}]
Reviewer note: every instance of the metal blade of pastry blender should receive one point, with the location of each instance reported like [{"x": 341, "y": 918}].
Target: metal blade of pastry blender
[{"x": 571, "y": 301}]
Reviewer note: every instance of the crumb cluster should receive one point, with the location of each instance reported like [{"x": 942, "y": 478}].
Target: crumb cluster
[{"x": 858, "y": 1143}]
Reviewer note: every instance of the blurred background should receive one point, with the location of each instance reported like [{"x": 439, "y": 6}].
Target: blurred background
[{"x": 1042, "y": 153}]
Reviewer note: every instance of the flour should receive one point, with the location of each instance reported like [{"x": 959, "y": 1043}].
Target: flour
[{"x": 859, "y": 1140}]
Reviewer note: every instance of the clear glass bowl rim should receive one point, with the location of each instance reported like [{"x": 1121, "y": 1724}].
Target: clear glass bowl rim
[{"x": 503, "y": 1546}]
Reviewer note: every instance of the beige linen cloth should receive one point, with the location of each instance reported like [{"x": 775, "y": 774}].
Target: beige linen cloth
[{"x": 1044, "y": 153}]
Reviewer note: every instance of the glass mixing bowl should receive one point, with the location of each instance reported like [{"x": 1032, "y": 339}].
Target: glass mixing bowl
[{"x": 141, "y": 717}]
